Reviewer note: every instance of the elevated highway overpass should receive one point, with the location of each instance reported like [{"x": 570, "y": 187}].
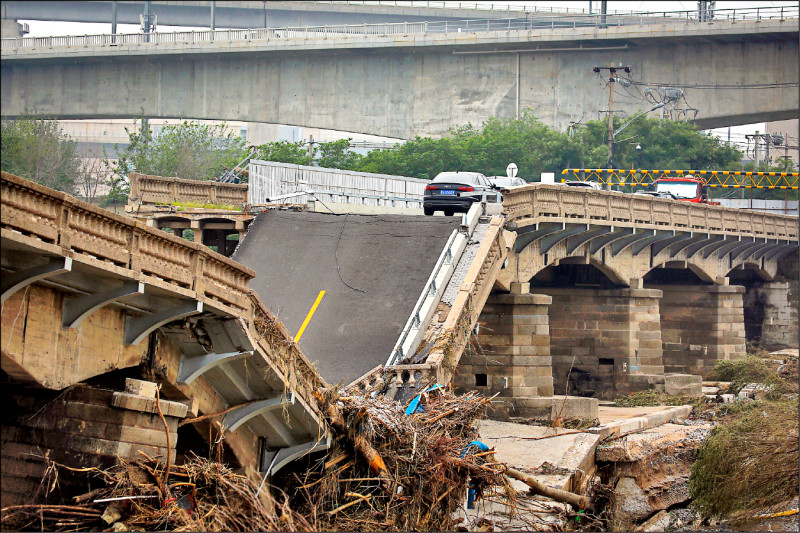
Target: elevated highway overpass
[{"x": 400, "y": 80}]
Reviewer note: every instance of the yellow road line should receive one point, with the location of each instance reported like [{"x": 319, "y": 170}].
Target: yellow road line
[{"x": 308, "y": 316}]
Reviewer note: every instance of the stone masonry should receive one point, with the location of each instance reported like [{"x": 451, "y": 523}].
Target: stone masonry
[
  {"x": 701, "y": 324},
  {"x": 82, "y": 426},
  {"x": 511, "y": 354},
  {"x": 607, "y": 341}
]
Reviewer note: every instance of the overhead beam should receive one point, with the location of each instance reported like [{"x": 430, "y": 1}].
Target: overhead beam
[
  {"x": 138, "y": 328},
  {"x": 761, "y": 251},
  {"x": 601, "y": 242},
  {"x": 239, "y": 416},
  {"x": 717, "y": 245},
  {"x": 11, "y": 283},
  {"x": 76, "y": 310},
  {"x": 553, "y": 239},
  {"x": 284, "y": 456},
  {"x": 737, "y": 252},
  {"x": 638, "y": 235},
  {"x": 725, "y": 249},
  {"x": 575, "y": 242},
  {"x": 527, "y": 235},
  {"x": 657, "y": 247},
  {"x": 677, "y": 248},
  {"x": 277, "y": 424},
  {"x": 637, "y": 247},
  {"x": 782, "y": 252},
  {"x": 694, "y": 248},
  {"x": 192, "y": 368}
]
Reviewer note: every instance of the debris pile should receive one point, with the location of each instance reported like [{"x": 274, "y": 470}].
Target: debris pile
[
  {"x": 147, "y": 495},
  {"x": 395, "y": 469}
]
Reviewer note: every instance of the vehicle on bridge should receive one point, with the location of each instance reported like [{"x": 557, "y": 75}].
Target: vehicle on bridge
[
  {"x": 455, "y": 192},
  {"x": 658, "y": 194},
  {"x": 584, "y": 184},
  {"x": 686, "y": 189},
  {"x": 505, "y": 182}
]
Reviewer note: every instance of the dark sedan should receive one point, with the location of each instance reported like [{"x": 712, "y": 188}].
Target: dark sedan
[{"x": 455, "y": 192}]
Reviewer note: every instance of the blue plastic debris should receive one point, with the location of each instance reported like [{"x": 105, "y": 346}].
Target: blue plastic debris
[
  {"x": 471, "y": 491},
  {"x": 414, "y": 405}
]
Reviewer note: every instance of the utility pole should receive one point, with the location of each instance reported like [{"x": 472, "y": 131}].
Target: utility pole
[{"x": 612, "y": 78}]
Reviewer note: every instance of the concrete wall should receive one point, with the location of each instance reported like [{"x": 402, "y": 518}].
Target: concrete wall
[
  {"x": 419, "y": 86},
  {"x": 81, "y": 428}
]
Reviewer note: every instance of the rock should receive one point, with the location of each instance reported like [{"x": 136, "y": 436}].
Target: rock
[
  {"x": 630, "y": 501},
  {"x": 111, "y": 514},
  {"x": 683, "y": 385},
  {"x": 658, "y": 522}
]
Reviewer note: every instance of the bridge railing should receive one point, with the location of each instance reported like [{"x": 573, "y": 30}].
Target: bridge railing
[
  {"x": 147, "y": 189},
  {"x": 557, "y": 201},
  {"x": 399, "y": 28},
  {"x": 56, "y": 218}
]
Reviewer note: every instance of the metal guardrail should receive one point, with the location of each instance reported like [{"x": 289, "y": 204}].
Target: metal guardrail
[
  {"x": 399, "y": 28},
  {"x": 713, "y": 178},
  {"x": 313, "y": 195},
  {"x": 412, "y": 332}
]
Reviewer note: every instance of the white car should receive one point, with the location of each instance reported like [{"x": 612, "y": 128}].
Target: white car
[
  {"x": 586, "y": 184},
  {"x": 504, "y": 182}
]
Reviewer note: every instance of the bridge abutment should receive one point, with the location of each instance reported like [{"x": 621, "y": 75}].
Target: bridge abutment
[
  {"x": 700, "y": 325},
  {"x": 605, "y": 341}
]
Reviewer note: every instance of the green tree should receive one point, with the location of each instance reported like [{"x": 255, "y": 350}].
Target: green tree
[
  {"x": 286, "y": 152},
  {"x": 664, "y": 145},
  {"x": 337, "y": 154},
  {"x": 37, "y": 149},
  {"x": 188, "y": 150},
  {"x": 422, "y": 157}
]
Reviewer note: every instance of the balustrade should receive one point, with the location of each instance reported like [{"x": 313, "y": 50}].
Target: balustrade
[
  {"x": 544, "y": 200},
  {"x": 81, "y": 228}
]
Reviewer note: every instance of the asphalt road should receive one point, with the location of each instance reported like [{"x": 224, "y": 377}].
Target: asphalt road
[{"x": 372, "y": 267}]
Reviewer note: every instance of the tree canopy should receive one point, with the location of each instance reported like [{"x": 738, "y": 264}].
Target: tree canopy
[
  {"x": 37, "y": 149},
  {"x": 188, "y": 150}
]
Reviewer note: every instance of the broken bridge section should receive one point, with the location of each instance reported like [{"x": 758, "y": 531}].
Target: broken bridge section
[
  {"x": 90, "y": 295},
  {"x": 373, "y": 268}
]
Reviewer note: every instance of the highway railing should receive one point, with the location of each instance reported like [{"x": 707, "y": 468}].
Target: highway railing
[
  {"x": 527, "y": 23},
  {"x": 713, "y": 178},
  {"x": 559, "y": 202}
]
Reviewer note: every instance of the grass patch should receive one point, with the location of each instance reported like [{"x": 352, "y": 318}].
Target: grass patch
[
  {"x": 651, "y": 397},
  {"x": 750, "y": 369},
  {"x": 195, "y": 205},
  {"x": 750, "y": 463}
]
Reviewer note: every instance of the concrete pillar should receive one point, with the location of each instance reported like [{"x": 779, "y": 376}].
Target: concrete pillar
[
  {"x": 510, "y": 355},
  {"x": 194, "y": 225},
  {"x": 606, "y": 342},
  {"x": 777, "y": 314},
  {"x": 700, "y": 325}
]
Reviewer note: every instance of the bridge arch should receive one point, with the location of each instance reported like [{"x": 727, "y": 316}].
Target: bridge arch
[
  {"x": 578, "y": 270},
  {"x": 679, "y": 271}
]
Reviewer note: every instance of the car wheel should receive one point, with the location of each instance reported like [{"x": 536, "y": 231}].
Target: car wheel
[
  {"x": 428, "y": 211},
  {"x": 448, "y": 212}
]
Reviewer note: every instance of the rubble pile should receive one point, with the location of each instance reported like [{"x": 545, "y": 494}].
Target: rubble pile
[
  {"x": 148, "y": 495},
  {"x": 395, "y": 468}
]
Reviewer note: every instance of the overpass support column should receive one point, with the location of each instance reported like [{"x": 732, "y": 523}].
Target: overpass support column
[
  {"x": 700, "y": 325},
  {"x": 510, "y": 355},
  {"x": 606, "y": 342}
]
